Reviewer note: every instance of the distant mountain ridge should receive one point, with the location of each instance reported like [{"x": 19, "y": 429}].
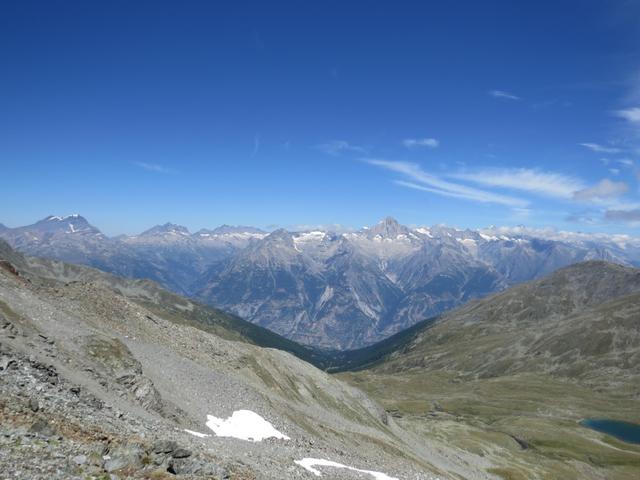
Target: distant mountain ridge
[{"x": 321, "y": 288}]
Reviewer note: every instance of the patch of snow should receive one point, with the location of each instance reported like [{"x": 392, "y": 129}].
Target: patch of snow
[
  {"x": 245, "y": 425},
  {"x": 309, "y": 236},
  {"x": 235, "y": 235},
  {"x": 467, "y": 242},
  {"x": 72, "y": 228},
  {"x": 54, "y": 217},
  {"x": 488, "y": 237},
  {"x": 424, "y": 231},
  {"x": 309, "y": 463},
  {"x": 197, "y": 434}
]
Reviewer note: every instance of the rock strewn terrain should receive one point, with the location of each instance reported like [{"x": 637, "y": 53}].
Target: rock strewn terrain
[{"x": 92, "y": 379}]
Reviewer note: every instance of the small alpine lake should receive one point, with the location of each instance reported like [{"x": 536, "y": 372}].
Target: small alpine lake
[{"x": 625, "y": 431}]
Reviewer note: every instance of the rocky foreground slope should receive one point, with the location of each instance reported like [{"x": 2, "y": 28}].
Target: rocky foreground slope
[{"x": 102, "y": 377}]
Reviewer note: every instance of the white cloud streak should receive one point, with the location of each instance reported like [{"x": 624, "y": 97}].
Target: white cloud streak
[
  {"x": 627, "y": 162},
  {"x": 630, "y": 114},
  {"x": 547, "y": 184},
  {"x": 256, "y": 145},
  {"x": 418, "y": 179},
  {"x": 338, "y": 147},
  {"x": 503, "y": 95},
  {"x": 153, "y": 167},
  {"x": 421, "y": 142},
  {"x": 595, "y": 147}
]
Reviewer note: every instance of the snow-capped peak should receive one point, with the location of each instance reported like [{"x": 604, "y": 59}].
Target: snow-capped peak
[{"x": 167, "y": 229}]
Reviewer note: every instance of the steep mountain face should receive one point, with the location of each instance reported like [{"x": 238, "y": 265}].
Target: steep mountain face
[
  {"x": 321, "y": 288},
  {"x": 270, "y": 280},
  {"x": 102, "y": 376},
  {"x": 347, "y": 291}
]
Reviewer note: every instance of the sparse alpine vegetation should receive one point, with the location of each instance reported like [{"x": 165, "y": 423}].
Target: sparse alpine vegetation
[{"x": 511, "y": 376}]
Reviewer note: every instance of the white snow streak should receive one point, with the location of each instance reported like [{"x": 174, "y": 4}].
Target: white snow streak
[
  {"x": 197, "y": 434},
  {"x": 309, "y": 463}
]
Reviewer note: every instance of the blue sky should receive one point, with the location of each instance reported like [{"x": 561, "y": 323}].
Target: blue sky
[{"x": 269, "y": 113}]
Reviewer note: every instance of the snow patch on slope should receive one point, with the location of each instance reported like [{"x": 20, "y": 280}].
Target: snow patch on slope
[
  {"x": 309, "y": 464},
  {"x": 245, "y": 425}
]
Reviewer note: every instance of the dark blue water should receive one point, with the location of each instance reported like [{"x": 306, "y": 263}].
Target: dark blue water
[{"x": 625, "y": 431}]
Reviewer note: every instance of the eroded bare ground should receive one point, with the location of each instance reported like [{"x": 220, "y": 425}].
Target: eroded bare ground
[{"x": 94, "y": 384}]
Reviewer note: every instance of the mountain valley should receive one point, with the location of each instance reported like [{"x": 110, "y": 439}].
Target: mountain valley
[
  {"x": 102, "y": 370},
  {"x": 328, "y": 290},
  {"x": 118, "y": 377}
]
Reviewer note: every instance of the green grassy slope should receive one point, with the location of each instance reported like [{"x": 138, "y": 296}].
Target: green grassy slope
[{"x": 510, "y": 377}]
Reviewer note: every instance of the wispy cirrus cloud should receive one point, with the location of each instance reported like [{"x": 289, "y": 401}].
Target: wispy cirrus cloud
[
  {"x": 595, "y": 147},
  {"x": 154, "y": 167},
  {"x": 604, "y": 196},
  {"x": 418, "y": 179},
  {"x": 630, "y": 114},
  {"x": 503, "y": 95},
  {"x": 256, "y": 145},
  {"x": 626, "y": 162},
  {"x": 549, "y": 184},
  {"x": 338, "y": 147},
  {"x": 421, "y": 142}
]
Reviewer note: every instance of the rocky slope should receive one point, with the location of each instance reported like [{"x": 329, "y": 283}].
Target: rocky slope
[
  {"x": 336, "y": 291},
  {"x": 103, "y": 376}
]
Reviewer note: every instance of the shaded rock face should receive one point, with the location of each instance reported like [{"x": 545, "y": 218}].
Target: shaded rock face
[{"x": 337, "y": 291}]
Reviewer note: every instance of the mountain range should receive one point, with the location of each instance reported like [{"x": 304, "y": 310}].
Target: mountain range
[
  {"x": 334, "y": 290},
  {"x": 104, "y": 375}
]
